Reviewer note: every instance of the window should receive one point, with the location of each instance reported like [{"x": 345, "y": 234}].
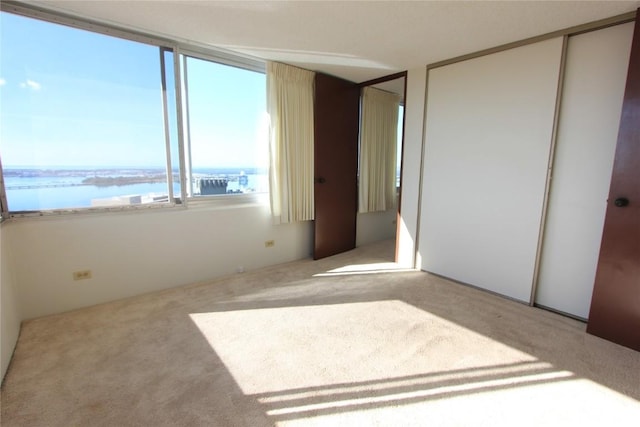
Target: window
[
  {"x": 82, "y": 120},
  {"x": 94, "y": 121},
  {"x": 227, "y": 147}
]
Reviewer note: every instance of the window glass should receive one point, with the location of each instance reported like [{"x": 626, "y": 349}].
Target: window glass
[
  {"x": 227, "y": 128},
  {"x": 82, "y": 118}
]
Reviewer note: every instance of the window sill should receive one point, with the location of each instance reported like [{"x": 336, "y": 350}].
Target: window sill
[
  {"x": 93, "y": 211},
  {"x": 234, "y": 201},
  {"x": 228, "y": 201}
]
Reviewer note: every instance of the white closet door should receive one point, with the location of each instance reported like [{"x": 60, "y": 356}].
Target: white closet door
[
  {"x": 595, "y": 77},
  {"x": 488, "y": 133}
]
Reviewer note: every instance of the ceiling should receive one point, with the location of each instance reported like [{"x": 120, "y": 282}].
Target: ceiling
[{"x": 355, "y": 40}]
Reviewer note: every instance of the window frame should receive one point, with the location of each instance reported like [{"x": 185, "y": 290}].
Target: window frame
[
  {"x": 4, "y": 211},
  {"x": 246, "y": 64},
  {"x": 180, "y": 50}
]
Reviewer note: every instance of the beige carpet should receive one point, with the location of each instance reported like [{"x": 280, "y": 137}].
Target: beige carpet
[{"x": 349, "y": 340}]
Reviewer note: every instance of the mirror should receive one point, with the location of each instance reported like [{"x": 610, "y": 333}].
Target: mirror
[{"x": 381, "y": 226}]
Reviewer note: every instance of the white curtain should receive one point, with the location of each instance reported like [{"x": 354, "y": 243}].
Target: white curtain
[
  {"x": 378, "y": 139},
  {"x": 290, "y": 108}
]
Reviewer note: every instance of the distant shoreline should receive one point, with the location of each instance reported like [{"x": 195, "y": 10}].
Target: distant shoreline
[
  {"x": 34, "y": 172},
  {"x": 109, "y": 181}
]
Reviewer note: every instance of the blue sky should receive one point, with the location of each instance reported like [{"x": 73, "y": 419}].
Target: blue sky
[
  {"x": 74, "y": 98},
  {"x": 216, "y": 130}
]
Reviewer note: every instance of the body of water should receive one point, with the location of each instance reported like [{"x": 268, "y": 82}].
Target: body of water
[{"x": 32, "y": 193}]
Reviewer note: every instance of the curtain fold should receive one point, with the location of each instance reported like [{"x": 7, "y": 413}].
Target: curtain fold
[
  {"x": 378, "y": 139},
  {"x": 290, "y": 109}
]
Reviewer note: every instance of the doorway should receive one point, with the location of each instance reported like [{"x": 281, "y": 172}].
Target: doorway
[{"x": 381, "y": 226}]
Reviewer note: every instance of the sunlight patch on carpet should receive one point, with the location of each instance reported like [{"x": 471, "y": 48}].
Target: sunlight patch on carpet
[
  {"x": 373, "y": 268},
  {"x": 352, "y": 359},
  {"x": 273, "y": 349}
]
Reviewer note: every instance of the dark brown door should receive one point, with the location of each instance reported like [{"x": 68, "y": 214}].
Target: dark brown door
[
  {"x": 615, "y": 305},
  {"x": 336, "y": 164}
]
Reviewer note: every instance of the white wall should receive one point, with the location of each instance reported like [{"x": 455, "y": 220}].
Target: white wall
[
  {"x": 10, "y": 316},
  {"x": 412, "y": 153},
  {"x": 375, "y": 226},
  {"x": 132, "y": 253}
]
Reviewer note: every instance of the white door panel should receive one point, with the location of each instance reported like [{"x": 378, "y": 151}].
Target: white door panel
[
  {"x": 489, "y": 125},
  {"x": 595, "y": 77}
]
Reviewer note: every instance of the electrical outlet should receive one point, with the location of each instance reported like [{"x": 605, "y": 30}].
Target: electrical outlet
[
  {"x": 269, "y": 243},
  {"x": 82, "y": 275}
]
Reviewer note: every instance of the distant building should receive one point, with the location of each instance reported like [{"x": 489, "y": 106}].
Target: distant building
[
  {"x": 133, "y": 199},
  {"x": 117, "y": 201},
  {"x": 211, "y": 186}
]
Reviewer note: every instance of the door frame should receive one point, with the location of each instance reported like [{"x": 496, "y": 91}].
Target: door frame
[{"x": 402, "y": 74}]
